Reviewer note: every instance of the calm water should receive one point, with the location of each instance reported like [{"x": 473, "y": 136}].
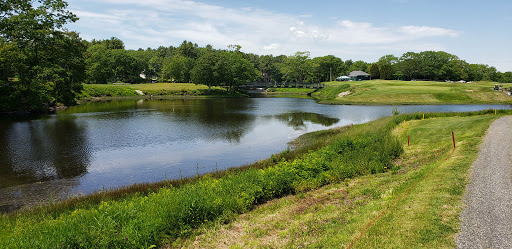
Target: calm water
[{"x": 111, "y": 144}]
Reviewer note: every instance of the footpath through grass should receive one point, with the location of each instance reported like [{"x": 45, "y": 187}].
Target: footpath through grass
[
  {"x": 170, "y": 215},
  {"x": 419, "y": 199}
]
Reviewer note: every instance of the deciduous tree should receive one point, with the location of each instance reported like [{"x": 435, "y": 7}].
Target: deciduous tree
[
  {"x": 374, "y": 71},
  {"x": 46, "y": 61}
]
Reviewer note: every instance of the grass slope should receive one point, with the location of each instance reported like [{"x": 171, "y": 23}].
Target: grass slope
[
  {"x": 318, "y": 218},
  {"x": 420, "y": 200},
  {"x": 374, "y": 92},
  {"x": 157, "y": 89},
  {"x": 414, "y": 92}
]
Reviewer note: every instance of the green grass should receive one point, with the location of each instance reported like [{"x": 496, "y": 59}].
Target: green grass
[
  {"x": 415, "y": 92},
  {"x": 156, "y": 89},
  {"x": 374, "y": 92},
  {"x": 172, "y": 213},
  {"x": 299, "y": 91},
  {"x": 420, "y": 196},
  {"x": 331, "y": 91}
]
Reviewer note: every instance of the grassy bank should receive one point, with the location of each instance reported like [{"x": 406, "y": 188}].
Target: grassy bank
[
  {"x": 173, "y": 212},
  {"x": 374, "y": 92},
  {"x": 391, "y": 92},
  {"x": 415, "y": 205},
  {"x": 293, "y": 91},
  {"x": 156, "y": 89}
]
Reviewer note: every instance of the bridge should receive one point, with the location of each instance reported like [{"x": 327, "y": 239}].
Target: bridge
[{"x": 266, "y": 85}]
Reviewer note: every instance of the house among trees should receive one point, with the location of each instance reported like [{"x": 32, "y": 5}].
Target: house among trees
[{"x": 359, "y": 75}]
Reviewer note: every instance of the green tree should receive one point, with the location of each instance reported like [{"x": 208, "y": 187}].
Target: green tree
[
  {"x": 44, "y": 61},
  {"x": 358, "y": 66},
  {"x": 113, "y": 65},
  {"x": 505, "y": 77},
  {"x": 233, "y": 69},
  {"x": 386, "y": 72},
  {"x": 374, "y": 71},
  {"x": 431, "y": 64},
  {"x": 390, "y": 60},
  {"x": 298, "y": 67},
  {"x": 410, "y": 65},
  {"x": 268, "y": 66},
  {"x": 455, "y": 70},
  {"x": 99, "y": 65},
  {"x": 179, "y": 69},
  {"x": 327, "y": 67},
  {"x": 188, "y": 49},
  {"x": 203, "y": 71},
  {"x": 127, "y": 67},
  {"x": 112, "y": 43}
]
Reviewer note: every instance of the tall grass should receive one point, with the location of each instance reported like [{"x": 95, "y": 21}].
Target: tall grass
[
  {"x": 143, "y": 221},
  {"x": 155, "y": 218}
]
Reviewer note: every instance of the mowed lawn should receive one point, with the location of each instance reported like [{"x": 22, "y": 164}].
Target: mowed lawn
[
  {"x": 421, "y": 92},
  {"x": 157, "y": 89},
  {"x": 157, "y": 86}
]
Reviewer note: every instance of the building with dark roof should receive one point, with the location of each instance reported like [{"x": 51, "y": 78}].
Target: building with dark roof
[{"x": 359, "y": 75}]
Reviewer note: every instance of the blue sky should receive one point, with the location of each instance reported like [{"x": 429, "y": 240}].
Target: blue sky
[{"x": 475, "y": 30}]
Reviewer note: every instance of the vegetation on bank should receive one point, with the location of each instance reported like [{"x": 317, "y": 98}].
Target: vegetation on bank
[
  {"x": 394, "y": 92},
  {"x": 389, "y": 92},
  {"x": 294, "y": 91},
  {"x": 414, "y": 205},
  {"x": 157, "y": 89},
  {"x": 170, "y": 213},
  {"x": 142, "y": 221}
]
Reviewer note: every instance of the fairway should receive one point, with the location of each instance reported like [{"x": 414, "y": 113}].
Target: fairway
[{"x": 420, "y": 92}]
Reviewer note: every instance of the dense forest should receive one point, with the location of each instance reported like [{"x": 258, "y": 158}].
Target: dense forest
[
  {"x": 42, "y": 64},
  {"x": 107, "y": 63}
]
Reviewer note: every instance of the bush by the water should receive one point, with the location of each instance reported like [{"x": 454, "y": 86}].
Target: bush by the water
[{"x": 144, "y": 221}]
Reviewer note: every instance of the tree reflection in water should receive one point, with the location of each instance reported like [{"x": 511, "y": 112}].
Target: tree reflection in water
[
  {"x": 35, "y": 155},
  {"x": 297, "y": 119}
]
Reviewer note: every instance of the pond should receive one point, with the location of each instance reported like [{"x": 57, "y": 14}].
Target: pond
[{"x": 104, "y": 145}]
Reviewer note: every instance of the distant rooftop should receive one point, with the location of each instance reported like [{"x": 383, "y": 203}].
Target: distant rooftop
[{"x": 357, "y": 73}]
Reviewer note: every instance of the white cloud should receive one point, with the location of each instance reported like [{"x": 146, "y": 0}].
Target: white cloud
[
  {"x": 152, "y": 23},
  {"x": 273, "y": 46},
  {"x": 425, "y": 31}
]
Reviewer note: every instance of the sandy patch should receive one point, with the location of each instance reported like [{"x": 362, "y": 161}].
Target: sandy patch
[{"x": 344, "y": 94}]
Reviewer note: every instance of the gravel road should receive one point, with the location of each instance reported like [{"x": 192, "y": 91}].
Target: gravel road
[{"x": 487, "y": 217}]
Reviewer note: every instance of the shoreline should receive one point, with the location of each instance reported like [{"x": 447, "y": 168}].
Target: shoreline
[{"x": 117, "y": 198}]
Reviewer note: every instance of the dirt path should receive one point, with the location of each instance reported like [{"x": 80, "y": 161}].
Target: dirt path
[{"x": 487, "y": 217}]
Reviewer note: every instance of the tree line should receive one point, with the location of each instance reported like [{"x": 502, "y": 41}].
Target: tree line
[
  {"x": 186, "y": 62},
  {"x": 42, "y": 64}
]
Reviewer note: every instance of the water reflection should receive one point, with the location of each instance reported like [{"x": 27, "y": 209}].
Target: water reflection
[
  {"x": 297, "y": 119},
  {"x": 119, "y": 142},
  {"x": 207, "y": 118},
  {"x": 41, "y": 150}
]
